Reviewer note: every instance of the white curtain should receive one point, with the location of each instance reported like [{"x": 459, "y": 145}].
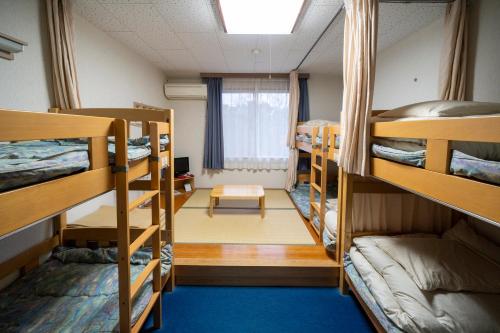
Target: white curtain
[
  {"x": 293, "y": 153},
  {"x": 453, "y": 69},
  {"x": 398, "y": 213},
  {"x": 255, "y": 119},
  {"x": 360, "y": 47},
  {"x": 64, "y": 78}
]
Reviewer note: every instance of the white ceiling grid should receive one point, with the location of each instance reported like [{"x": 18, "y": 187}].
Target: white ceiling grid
[{"x": 185, "y": 37}]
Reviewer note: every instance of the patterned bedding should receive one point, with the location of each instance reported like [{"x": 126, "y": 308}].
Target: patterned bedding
[
  {"x": 75, "y": 291},
  {"x": 30, "y": 162},
  {"x": 300, "y": 196},
  {"x": 461, "y": 163},
  {"x": 307, "y": 138}
]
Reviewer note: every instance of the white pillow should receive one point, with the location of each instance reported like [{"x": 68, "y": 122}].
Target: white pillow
[
  {"x": 444, "y": 264},
  {"x": 331, "y": 221},
  {"x": 443, "y": 109},
  {"x": 464, "y": 234}
]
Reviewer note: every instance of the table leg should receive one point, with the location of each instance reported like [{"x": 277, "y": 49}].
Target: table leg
[
  {"x": 262, "y": 204},
  {"x": 211, "y": 207},
  {"x": 217, "y": 201}
]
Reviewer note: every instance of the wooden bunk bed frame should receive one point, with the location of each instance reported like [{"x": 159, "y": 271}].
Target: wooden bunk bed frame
[
  {"x": 28, "y": 205},
  {"x": 146, "y": 116},
  {"x": 433, "y": 182},
  {"x": 326, "y": 152}
]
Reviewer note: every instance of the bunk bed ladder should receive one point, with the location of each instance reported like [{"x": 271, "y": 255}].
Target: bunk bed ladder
[
  {"x": 127, "y": 289},
  {"x": 318, "y": 150}
]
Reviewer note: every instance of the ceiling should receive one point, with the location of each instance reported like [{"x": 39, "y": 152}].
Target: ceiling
[{"x": 185, "y": 37}]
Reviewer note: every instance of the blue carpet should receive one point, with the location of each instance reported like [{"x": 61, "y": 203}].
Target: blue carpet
[{"x": 258, "y": 309}]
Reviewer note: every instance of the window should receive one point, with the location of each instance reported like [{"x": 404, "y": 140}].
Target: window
[{"x": 255, "y": 123}]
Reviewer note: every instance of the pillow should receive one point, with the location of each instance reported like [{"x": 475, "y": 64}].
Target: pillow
[
  {"x": 443, "y": 264},
  {"x": 443, "y": 109},
  {"x": 331, "y": 222},
  {"x": 464, "y": 234}
]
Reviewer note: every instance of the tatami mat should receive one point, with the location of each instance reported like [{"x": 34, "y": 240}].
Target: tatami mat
[
  {"x": 237, "y": 226},
  {"x": 274, "y": 199},
  {"x": 233, "y": 223}
]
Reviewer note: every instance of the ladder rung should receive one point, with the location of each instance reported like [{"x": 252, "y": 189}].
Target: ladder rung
[
  {"x": 146, "y": 196},
  {"x": 317, "y": 167},
  {"x": 316, "y": 187},
  {"x": 315, "y": 206},
  {"x": 138, "y": 324},
  {"x": 143, "y": 237},
  {"x": 143, "y": 276}
]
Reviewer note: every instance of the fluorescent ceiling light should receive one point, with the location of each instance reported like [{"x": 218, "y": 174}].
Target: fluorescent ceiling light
[{"x": 260, "y": 17}]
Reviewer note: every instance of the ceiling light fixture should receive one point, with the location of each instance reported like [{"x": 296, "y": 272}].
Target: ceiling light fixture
[{"x": 260, "y": 17}]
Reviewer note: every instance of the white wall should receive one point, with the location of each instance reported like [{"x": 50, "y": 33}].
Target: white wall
[
  {"x": 325, "y": 96},
  {"x": 484, "y": 75},
  {"x": 407, "y": 72},
  {"x": 110, "y": 75},
  {"x": 25, "y": 82},
  {"x": 418, "y": 55}
]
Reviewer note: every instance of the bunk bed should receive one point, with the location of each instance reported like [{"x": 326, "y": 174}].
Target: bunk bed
[
  {"x": 425, "y": 296},
  {"x": 46, "y": 291},
  {"x": 319, "y": 138},
  {"x": 100, "y": 226}
]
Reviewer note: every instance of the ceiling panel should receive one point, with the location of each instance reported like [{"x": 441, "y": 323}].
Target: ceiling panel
[{"x": 184, "y": 37}]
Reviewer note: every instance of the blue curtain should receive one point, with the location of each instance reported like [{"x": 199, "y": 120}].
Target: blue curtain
[
  {"x": 303, "y": 100},
  {"x": 304, "y": 163},
  {"x": 213, "y": 157}
]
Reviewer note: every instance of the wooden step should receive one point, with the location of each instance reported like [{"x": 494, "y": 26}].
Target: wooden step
[
  {"x": 143, "y": 237},
  {"x": 146, "y": 196},
  {"x": 254, "y": 265},
  {"x": 316, "y": 187},
  {"x": 317, "y": 167},
  {"x": 139, "y": 281}
]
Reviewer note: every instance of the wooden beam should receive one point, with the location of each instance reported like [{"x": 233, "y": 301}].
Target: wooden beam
[
  {"x": 19, "y": 125},
  {"x": 21, "y": 207},
  {"x": 478, "y": 198}
]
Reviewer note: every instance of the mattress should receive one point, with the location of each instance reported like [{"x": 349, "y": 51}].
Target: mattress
[
  {"x": 30, "y": 162},
  {"x": 404, "y": 304},
  {"x": 367, "y": 297},
  {"x": 75, "y": 291},
  {"x": 461, "y": 164},
  {"x": 300, "y": 196}
]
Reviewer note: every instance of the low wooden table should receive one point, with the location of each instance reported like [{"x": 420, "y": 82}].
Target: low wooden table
[{"x": 237, "y": 192}]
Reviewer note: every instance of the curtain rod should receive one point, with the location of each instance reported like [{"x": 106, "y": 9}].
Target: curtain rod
[
  {"x": 251, "y": 75},
  {"x": 342, "y": 7}
]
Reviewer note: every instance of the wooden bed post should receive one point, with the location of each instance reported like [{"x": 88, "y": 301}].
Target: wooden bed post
[
  {"x": 346, "y": 223},
  {"x": 169, "y": 196},
  {"x": 156, "y": 237},
  {"x": 121, "y": 162}
]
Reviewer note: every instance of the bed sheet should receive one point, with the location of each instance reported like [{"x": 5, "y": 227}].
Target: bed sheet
[
  {"x": 75, "y": 291},
  {"x": 30, "y": 162}
]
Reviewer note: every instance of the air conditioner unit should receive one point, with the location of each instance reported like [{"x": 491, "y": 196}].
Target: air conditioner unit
[{"x": 186, "y": 91}]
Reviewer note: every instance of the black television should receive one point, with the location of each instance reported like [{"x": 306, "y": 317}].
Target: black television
[{"x": 181, "y": 165}]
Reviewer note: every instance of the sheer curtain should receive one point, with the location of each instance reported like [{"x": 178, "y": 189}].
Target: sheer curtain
[{"x": 255, "y": 123}]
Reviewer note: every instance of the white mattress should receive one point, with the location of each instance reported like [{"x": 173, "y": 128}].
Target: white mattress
[{"x": 414, "y": 310}]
